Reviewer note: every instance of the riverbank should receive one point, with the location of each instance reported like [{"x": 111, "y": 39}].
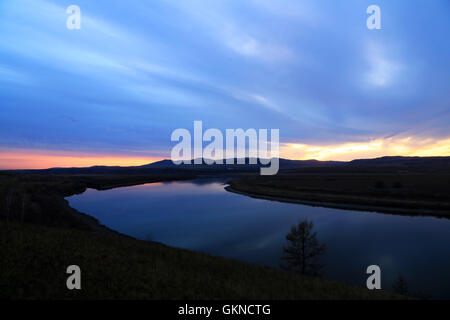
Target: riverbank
[
  {"x": 415, "y": 195},
  {"x": 353, "y": 207},
  {"x": 36, "y": 253}
]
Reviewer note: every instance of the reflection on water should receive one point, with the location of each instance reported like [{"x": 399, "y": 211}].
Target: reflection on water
[{"x": 203, "y": 216}]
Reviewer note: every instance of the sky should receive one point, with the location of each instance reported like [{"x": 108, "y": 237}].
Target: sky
[{"x": 112, "y": 92}]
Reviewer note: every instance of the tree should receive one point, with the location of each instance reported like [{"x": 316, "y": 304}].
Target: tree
[
  {"x": 304, "y": 250},
  {"x": 400, "y": 285}
]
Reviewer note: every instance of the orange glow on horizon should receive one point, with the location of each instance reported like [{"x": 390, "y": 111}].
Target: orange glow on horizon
[
  {"x": 11, "y": 159},
  {"x": 39, "y": 159},
  {"x": 408, "y": 146}
]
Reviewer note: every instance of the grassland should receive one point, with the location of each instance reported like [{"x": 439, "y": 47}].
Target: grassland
[
  {"x": 385, "y": 190},
  {"x": 34, "y": 261}
]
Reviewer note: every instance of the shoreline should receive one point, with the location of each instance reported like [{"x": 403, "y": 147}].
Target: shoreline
[
  {"x": 347, "y": 206},
  {"x": 94, "y": 223},
  {"x": 97, "y": 226}
]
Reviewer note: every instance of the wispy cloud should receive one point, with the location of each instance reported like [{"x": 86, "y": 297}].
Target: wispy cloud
[
  {"x": 14, "y": 76},
  {"x": 382, "y": 70},
  {"x": 234, "y": 34}
]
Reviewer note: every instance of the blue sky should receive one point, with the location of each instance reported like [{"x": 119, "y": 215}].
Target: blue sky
[{"x": 137, "y": 70}]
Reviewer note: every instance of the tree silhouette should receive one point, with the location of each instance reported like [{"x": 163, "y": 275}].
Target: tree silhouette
[
  {"x": 400, "y": 285},
  {"x": 304, "y": 250}
]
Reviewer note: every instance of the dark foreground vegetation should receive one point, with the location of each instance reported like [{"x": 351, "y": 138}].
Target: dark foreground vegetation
[{"x": 34, "y": 261}]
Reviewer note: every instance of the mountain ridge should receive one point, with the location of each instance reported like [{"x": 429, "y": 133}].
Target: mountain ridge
[{"x": 285, "y": 164}]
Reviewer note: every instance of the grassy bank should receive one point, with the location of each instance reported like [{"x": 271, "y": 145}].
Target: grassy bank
[
  {"x": 390, "y": 192},
  {"x": 34, "y": 260}
]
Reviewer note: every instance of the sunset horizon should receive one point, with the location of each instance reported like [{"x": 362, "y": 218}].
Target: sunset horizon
[{"x": 22, "y": 159}]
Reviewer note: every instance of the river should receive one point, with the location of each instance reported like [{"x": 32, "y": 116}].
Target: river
[{"x": 200, "y": 215}]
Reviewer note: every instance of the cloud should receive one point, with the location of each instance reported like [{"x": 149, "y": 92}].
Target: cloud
[
  {"x": 234, "y": 34},
  {"x": 393, "y": 146},
  {"x": 304, "y": 11},
  {"x": 247, "y": 45},
  {"x": 14, "y": 76},
  {"x": 382, "y": 71}
]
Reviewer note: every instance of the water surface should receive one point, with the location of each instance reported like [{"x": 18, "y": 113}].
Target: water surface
[{"x": 200, "y": 215}]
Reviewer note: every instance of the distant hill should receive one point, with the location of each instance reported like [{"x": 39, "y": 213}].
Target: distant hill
[
  {"x": 407, "y": 162},
  {"x": 284, "y": 163},
  {"x": 159, "y": 164},
  {"x": 167, "y": 166},
  {"x": 430, "y": 162}
]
